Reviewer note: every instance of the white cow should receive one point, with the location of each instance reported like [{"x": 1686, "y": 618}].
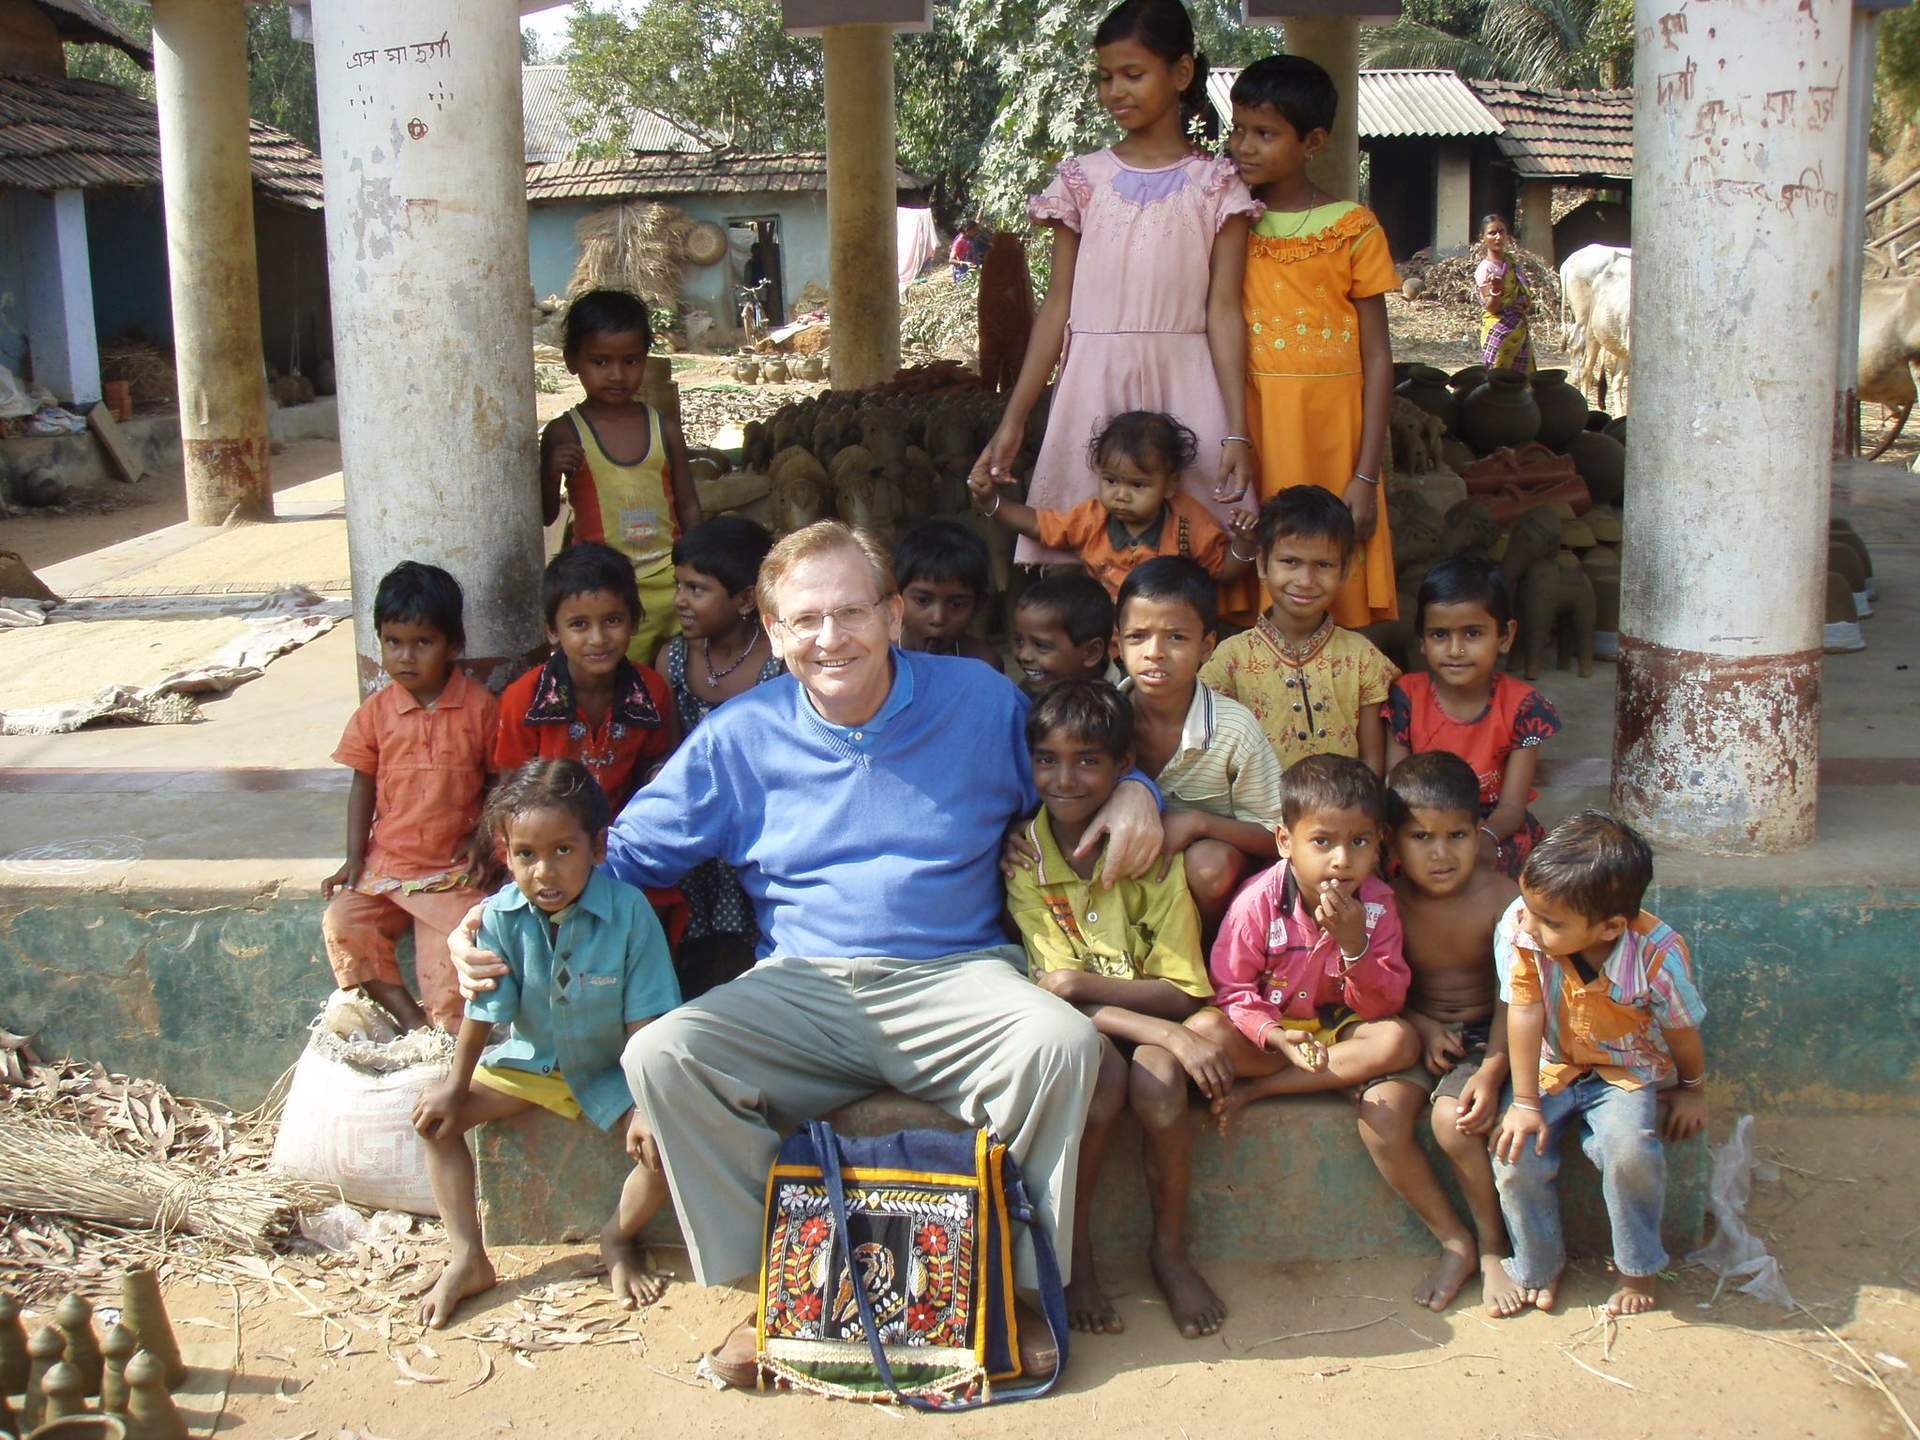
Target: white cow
[{"x": 1596, "y": 296}]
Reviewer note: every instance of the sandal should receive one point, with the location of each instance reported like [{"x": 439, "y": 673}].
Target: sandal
[{"x": 732, "y": 1374}]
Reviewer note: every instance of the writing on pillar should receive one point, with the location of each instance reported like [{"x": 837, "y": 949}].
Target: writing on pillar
[{"x": 420, "y": 52}]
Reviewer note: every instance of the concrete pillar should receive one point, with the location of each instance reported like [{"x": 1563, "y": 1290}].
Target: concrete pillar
[
  {"x": 862, "y": 196},
  {"x": 1739, "y": 150},
  {"x": 421, "y": 151},
  {"x": 1333, "y": 43},
  {"x": 59, "y": 296},
  {"x": 1536, "y": 219},
  {"x": 1453, "y": 196},
  {"x": 200, "y": 84}
]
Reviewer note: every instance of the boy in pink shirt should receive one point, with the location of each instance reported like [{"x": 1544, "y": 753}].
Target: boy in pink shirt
[{"x": 1308, "y": 969}]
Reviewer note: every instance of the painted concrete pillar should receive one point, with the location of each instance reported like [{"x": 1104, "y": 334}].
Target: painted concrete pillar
[
  {"x": 421, "y": 150},
  {"x": 862, "y": 191},
  {"x": 59, "y": 296},
  {"x": 200, "y": 84},
  {"x": 1739, "y": 152},
  {"x": 1453, "y": 196},
  {"x": 1333, "y": 43},
  {"x": 1536, "y": 219}
]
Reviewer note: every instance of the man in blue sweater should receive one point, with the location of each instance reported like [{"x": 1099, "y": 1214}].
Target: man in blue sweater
[{"x": 863, "y": 798}]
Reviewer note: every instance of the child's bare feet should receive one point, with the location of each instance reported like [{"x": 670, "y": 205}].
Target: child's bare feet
[
  {"x": 1503, "y": 1295},
  {"x": 1450, "y": 1272},
  {"x": 632, "y": 1283},
  {"x": 1634, "y": 1295},
  {"x": 1230, "y": 1104},
  {"x": 1547, "y": 1296},
  {"x": 1088, "y": 1308},
  {"x": 1196, "y": 1309},
  {"x": 464, "y": 1276}
]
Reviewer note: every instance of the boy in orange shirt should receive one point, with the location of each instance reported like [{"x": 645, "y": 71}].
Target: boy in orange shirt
[{"x": 418, "y": 748}]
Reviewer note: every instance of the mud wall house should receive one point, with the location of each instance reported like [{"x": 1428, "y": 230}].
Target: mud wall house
[
  {"x": 1442, "y": 151},
  {"x": 776, "y": 200},
  {"x": 83, "y": 242}
]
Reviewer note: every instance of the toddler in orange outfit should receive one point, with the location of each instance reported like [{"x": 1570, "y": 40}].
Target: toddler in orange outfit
[{"x": 418, "y": 748}]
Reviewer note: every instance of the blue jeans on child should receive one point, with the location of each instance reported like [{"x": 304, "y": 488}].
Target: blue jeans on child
[{"x": 1620, "y": 1133}]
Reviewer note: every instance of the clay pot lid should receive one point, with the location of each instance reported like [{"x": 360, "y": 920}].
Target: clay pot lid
[{"x": 706, "y": 243}]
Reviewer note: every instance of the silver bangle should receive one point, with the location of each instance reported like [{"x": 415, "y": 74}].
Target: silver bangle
[
  {"x": 1366, "y": 479},
  {"x": 1245, "y": 440},
  {"x": 1243, "y": 559},
  {"x": 1693, "y": 1084},
  {"x": 1488, "y": 832},
  {"x": 996, "y": 506},
  {"x": 1527, "y": 1102}
]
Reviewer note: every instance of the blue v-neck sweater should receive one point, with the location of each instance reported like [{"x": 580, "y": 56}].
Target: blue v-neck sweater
[{"x": 879, "y": 839}]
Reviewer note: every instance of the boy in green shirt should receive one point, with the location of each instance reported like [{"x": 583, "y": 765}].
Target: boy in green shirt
[{"x": 1128, "y": 955}]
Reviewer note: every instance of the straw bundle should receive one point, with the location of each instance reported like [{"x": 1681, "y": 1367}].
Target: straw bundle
[
  {"x": 146, "y": 367},
  {"x": 52, "y": 1167},
  {"x": 639, "y": 248}
]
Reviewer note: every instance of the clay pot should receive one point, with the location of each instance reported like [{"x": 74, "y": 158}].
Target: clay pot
[
  {"x": 1427, "y": 388},
  {"x": 83, "y": 1427},
  {"x": 746, "y": 371},
  {"x": 1401, "y": 370},
  {"x": 774, "y": 372},
  {"x": 1500, "y": 413},
  {"x": 1602, "y": 463},
  {"x": 1617, "y": 428},
  {"x": 1598, "y": 419},
  {"x": 1563, "y": 409},
  {"x": 811, "y": 368},
  {"x": 1469, "y": 379}
]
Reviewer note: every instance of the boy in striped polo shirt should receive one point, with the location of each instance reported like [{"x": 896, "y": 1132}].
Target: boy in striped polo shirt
[
  {"x": 1212, "y": 761},
  {"x": 1602, "y": 1018}
]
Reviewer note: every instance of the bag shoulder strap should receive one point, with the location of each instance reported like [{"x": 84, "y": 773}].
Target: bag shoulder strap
[{"x": 826, "y": 1149}]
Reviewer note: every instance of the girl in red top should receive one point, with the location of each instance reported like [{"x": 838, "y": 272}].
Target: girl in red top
[{"x": 1466, "y": 704}]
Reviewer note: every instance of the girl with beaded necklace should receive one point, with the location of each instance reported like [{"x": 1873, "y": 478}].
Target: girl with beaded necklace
[
  {"x": 1319, "y": 364},
  {"x": 720, "y": 652}
]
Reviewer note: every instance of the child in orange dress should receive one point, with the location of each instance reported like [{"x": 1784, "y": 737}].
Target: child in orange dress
[
  {"x": 1466, "y": 704},
  {"x": 1319, "y": 364}
]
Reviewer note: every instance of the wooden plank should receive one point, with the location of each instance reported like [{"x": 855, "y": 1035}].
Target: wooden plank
[{"x": 120, "y": 455}]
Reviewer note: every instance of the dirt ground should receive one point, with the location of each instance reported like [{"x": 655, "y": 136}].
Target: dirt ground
[{"x": 1322, "y": 1349}]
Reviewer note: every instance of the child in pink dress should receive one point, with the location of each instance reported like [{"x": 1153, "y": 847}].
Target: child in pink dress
[{"x": 1149, "y": 245}]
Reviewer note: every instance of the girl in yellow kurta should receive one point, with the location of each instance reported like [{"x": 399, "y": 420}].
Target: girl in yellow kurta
[{"x": 1319, "y": 365}]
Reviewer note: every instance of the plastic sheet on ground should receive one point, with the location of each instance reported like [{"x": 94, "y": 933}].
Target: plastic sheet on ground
[
  {"x": 257, "y": 629},
  {"x": 1735, "y": 1253}
]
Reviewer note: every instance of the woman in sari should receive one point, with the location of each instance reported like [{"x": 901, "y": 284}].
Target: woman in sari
[{"x": 1506, "y": 342}]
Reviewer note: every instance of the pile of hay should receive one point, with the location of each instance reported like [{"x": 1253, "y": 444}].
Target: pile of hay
[
  {"x": 1450, "y": 292},
  {"x": 146, "y": 367},
  {"x": 939, "y": 320},
  {"x": 638, "y": 247}
]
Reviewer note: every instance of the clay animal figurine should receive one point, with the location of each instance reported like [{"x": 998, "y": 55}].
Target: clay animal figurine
[
  {"x": 1469, "y": 530},
  {"x": 862, "y": 496},
  {"x": 1550, "y": 599},
  {"x": 1414, "y": 435},
  {"x": 800, "y": 493},
  {"x": 1004, "y": 311},
  {"x": 756, "y": 446},
  {"x": 952, "y": 443}
]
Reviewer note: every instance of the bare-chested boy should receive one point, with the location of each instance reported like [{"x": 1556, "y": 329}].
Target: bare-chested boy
[{"x": 1449, "y": 904}]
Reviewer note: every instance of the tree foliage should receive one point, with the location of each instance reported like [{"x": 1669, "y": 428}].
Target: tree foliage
[
  {"x": 280, "y": 86},
  {"x": 1569, "y": 44}
]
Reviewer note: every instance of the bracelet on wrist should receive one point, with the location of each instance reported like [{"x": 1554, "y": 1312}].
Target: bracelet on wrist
[
  {"x": 1487, "y": 830},
  {"x": 1366, "y": 479},
  {"x": 1695, "y": 1083},
  {"x": 1528, "y": 1102},
  {"x": 1243, "y": 439},
  {"x": 1243, "y": 559},
  {"x": 996, "y": 506}
]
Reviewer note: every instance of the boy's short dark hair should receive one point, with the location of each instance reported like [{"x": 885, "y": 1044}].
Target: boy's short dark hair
[
  {"x": 1329, "y": 782},
  {"x": 1434, "y": 780},
  {"x": 1593, "y": 862},
  {"x": 546, "y": 785},
  {"x": 1173, "y": 579},
  {"x": 727, "y": 547},
  {"x": 586, "y": 567},
  {"x": 1080, "y": 603},
  {"x": 1151, "y": 440},
  {"x": 943, "y": 550},
  {"x": 1464, "y": 580},
  {"x": 605, "y": 312},
  {"x": 1310, "y": 513},
  {"x": 1294, "y": 88},
  {"x": 1089, "y": 710},
  {"x": 425, "y": 594}
]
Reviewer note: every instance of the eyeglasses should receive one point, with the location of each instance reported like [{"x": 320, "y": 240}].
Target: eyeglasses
[{"x": 809, "y": 623}]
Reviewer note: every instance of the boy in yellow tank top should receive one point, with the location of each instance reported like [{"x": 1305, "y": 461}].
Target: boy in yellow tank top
[{"x": 638, "y": 505}]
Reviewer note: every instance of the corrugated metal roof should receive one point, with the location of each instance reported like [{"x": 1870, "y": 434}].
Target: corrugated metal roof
[
  {"x": 78, "y": 23},
  {"x": 1395, "y": 103},
  {"x": 712, "y": 173},
  {"x": 62, "y": 134},
  {"x": 554, "y": 130},
  {"x": 1562, "y": 134}
]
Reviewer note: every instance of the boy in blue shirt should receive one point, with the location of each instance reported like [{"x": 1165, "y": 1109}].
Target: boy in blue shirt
[{"x": 588, "y": 967}]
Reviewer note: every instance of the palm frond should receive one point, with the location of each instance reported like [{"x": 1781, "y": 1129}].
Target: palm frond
[{"x": 1409, "y": 45}]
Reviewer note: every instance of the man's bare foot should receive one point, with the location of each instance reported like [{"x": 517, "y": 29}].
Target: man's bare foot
[
  {"x": 1503, "y": 1295},
  {"x": 734, "y": 1362},
  {"x": 472, "y": 1275},
  {"x": 1450, "y": 1272},
  {"x": 632, "y": 1283},
  {"x": 1634, "y": 1295},
  {"x": 1196, "y": 1309},
  {"x": 1088, "y": 1308},
  {"x": 1230, "y": 1105}
]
